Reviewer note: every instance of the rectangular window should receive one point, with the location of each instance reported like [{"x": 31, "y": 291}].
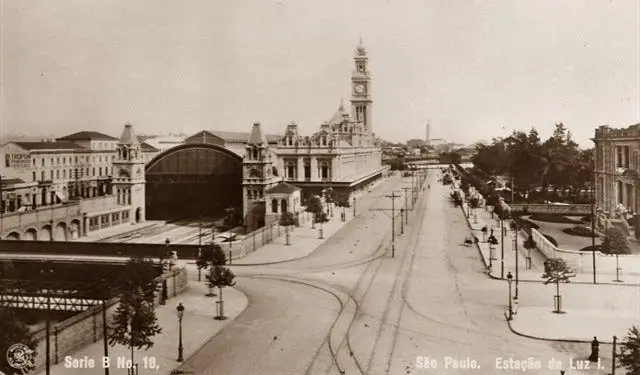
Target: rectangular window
[
  {"x": 42, "y": 162},
  {"x": 57, "y": 174},
  {"x": 7, "y": 161},
  {"x": 58, "y": 160},
  {"x": 42, "y": 175},
  {"x": 51, "y": 174},
  {"x": 93, "y": 171},
  {"x": 100, "y": 171},
  {"x": 33, "y": 175},
  {"x": 64, "y": 173}
]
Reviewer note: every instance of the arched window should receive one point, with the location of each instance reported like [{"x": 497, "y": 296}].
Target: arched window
[
  {"x": 283, "y": 205},
  {"x": 307, "y": 168},
  {"x": 290, "y": 170},
  {"x": 255, "y": 194},
  {"x": 274, "y": 170},
  {"x": 289, "y": 141},
  {"x": 274, "y": 206},
  {"x": 255, "y": 153},
  {"x": 324, "y": 170},
  {"x": 124, "y": 153}
]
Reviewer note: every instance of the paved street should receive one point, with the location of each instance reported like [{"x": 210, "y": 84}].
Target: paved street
[{"x": 332, "y": 312}]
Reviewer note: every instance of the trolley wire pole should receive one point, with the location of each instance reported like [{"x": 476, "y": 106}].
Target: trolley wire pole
[
  {"x": 393, "y": 197},
  {"x": 406, "y": 205}
]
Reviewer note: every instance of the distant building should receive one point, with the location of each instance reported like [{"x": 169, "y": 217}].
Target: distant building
[
  {"x": 617, "y": 167},
  {"x": 234, "y": 141},
  {"x": 416, "y": 143},
  {"x": 65, "y": 189}
]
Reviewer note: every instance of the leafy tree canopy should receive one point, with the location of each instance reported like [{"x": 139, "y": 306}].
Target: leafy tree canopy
[
  {"x": 211, "y": 255},
  {"x": 629, "y": 356},
  {"x": 13, "y": 331},
  {"x": 615, "y": 242}
]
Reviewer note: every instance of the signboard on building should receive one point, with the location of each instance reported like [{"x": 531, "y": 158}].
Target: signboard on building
[{"x": 18, "y": 161}]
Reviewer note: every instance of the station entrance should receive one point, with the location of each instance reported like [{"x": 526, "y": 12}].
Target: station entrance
[{"x": 193, "y": 180}]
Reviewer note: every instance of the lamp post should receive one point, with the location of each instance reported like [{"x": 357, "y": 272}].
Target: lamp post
[
  {"x": 501, "y": 245},
  {"x": 180, "y": 310},
  {"x": 509, "y": 280},
  {"x": 46, "y": 271},
  {"x": 133, "y": 368},
  {"x": 515, "y": 242},
  {"x": 593, "y": 231},
  {"x": 167, "y": 242}
]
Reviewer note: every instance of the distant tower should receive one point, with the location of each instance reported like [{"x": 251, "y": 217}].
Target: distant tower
[
  {"x": 257, "y": 178},
  {"x": 361, "y": 86},
  {"x": 129, "y": 176},
  {"x": 428, "y": 139}
]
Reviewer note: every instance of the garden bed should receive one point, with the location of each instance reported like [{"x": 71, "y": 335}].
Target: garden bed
[
  {"x": 578, "y": 231},
  {"x": 551, "y": 218},
  {"x": 590, "y": 248},
  {"x": 551, "y": 239}
]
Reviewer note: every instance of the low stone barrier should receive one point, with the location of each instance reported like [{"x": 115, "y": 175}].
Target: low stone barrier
[
  {"x": 582, "y": 261},
  {"x": 558, "y": 209},
  {"x": 82, "y": 329}
]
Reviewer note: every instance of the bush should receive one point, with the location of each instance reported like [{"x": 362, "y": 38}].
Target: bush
[
  {"x": 586, "y": 218},
  {"x": 551, "y": 239},
  {"x": 589, "y": 248},
  {"x": 578, "y": 231},
  {"x": 552, "y": 218}
]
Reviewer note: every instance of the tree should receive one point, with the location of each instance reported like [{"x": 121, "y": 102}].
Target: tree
[
  {"x": 616, "y": 243},
  {"x": 135, "y": 321},
  {"x": 220, "y": 277},
  {"x": 629, "y": 356},
  {"x": 287, "y": 219},
  {"x": 14, "y": 331},
  {"x": 557, "y": 271},
  {"x": 314, "y": 206},
  {"x": 211, "y": 256}
]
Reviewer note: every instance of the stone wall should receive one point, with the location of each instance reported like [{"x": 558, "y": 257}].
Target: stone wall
[
  {"x": 582, "y": 261},
  {"x": 71, "y": 335},
  {"x": 560, "y": 209}
]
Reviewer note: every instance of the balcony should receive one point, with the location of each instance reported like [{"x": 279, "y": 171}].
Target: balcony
[{"x": 40, "y": 216}]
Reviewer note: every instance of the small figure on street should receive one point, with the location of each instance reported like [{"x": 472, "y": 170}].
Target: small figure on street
[{"x": 595, "y": 350}]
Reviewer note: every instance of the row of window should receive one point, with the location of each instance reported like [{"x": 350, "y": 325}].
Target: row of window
[
  {"x": 64, "y": 160},
  {"x": 324, "y": 170},
  {"x": 72, "y": 173},
  {"x": 622, "y": 156},
  {"x": 102, "y": 221}
]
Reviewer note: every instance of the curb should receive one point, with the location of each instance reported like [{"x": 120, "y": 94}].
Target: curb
[
  {"x": 506, "y": 316},
  {"x": 484, "y": 261}
]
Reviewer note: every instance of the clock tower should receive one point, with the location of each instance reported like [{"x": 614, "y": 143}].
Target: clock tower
[
  {"x": 129, "y": 175},
  {"x": 257, "y": 177},
  {"x": 361, "y": 90}
]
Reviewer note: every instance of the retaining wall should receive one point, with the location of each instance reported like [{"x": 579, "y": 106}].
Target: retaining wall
[
  {"x": 82, "y": 329},
  {"x": 559, "y": 209},
  {"x": 582, "y": 261}
]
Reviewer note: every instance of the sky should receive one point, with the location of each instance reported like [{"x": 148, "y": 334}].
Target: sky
[{"x": 473, "y": 69}]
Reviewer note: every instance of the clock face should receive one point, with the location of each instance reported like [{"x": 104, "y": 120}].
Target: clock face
[{"x": 360, "y": 88}]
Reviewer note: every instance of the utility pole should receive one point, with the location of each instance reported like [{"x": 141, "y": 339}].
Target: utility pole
[
  {"x": 406, "y": 205},
  {"x": 593, "y": 228},
  {"x": 393, "y": 197},
  {"x": 516, "y": 228}
]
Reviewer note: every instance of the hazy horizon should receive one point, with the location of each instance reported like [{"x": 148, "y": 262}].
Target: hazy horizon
[{"x": 473, "y": 69}]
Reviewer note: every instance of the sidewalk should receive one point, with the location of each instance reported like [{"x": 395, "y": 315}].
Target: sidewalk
[
  {"x": 198, "y": 327},
  {"x": 304, "y": 240},
  {"x": 533, "y": 274},
  {"x": 574, "y": 325},
  {"x": 598, "y": 315}
]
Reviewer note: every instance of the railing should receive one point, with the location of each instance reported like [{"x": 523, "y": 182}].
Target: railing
[{"x": 570, "y": 209}]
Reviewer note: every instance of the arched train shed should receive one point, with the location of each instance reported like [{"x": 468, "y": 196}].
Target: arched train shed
[{"x": 191, "y": 180}]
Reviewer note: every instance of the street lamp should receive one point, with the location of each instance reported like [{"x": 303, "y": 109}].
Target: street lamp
[
  {"x": 47, "y": 271},
  {"x": 167, "y": 242},
  {"x": 180, "y": 310},
  {"x": 516, "y": 227},
  {"x": 509, "y": 280}
]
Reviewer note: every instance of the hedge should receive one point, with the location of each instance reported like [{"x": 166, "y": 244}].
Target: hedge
[
  {"x": 551, "y": 239},
  {"x": 589, "y": 248},
  {"x": 578, "y": 231},
  {"x": 551, "y": 218}
]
